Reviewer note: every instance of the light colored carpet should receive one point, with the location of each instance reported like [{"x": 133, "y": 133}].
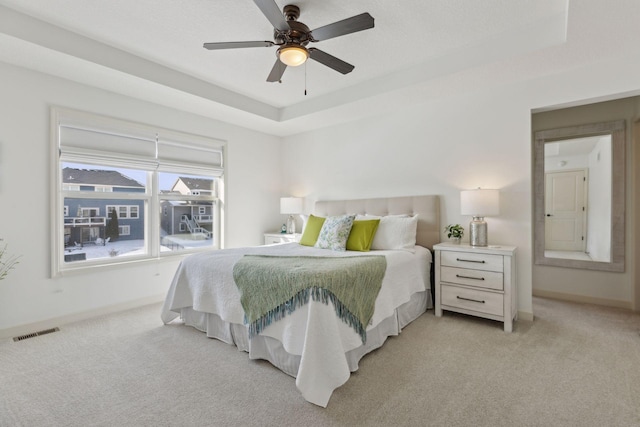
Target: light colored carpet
[{"x": 575, "y": 365}]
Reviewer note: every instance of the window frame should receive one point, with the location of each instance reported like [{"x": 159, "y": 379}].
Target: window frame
[
  {"x": 152, "y": 209},
  {"x": 124, "y": 230}
]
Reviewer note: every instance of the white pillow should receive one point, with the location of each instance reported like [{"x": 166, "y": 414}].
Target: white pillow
[
  {"x": 305, "y": 218},
  {"x": 396, "y": 232}
]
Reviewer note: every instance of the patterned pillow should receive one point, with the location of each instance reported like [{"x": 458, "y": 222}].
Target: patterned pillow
[{"x": 335, "y": 232}]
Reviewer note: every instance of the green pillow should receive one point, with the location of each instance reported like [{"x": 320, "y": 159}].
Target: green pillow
[
  {"x": 362, "y": 234},
  {"x": 312, "y": 230}
]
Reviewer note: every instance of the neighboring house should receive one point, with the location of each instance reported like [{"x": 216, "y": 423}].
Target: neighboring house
[
  {"x": 188, "y": 216},
  {"x": 85, "y": 220}
]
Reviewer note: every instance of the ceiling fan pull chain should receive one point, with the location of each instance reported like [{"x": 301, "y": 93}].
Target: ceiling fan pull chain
[{"x": 305, "y": 79}]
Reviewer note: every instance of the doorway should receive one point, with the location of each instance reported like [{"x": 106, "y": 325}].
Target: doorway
[{"x": 566, "y": 213}]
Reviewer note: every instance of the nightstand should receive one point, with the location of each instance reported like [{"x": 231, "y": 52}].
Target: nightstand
[
  {"x": 478, "y": 281},
  {"x": 275, "y": 238}
]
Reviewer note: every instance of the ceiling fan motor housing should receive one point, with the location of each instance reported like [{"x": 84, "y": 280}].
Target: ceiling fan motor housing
[{"x": 298, "y": 32}]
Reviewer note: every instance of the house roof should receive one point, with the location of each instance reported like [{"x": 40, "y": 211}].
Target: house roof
[
  {"x": 197, "y": 183},
  {"x": 98, "y": 177}
]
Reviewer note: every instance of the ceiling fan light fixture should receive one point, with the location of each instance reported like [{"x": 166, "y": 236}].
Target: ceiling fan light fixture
[{"x": 293, "y": 55}]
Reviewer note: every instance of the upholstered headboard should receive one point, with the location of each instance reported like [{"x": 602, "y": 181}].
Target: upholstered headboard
[{"x": 426, "y": 207}]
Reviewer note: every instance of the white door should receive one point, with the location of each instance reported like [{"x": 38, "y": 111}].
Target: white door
[{"x": 565, "y": 210}]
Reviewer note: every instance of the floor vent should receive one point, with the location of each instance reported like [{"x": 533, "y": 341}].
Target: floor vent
[{"x": 36, "y": 334}]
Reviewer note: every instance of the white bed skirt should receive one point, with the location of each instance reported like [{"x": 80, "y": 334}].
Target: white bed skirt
[{"x": 270, "y": 349}]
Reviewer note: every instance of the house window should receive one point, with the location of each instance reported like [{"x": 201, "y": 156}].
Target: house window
[
  {"x": 143, "y": 175},
  {"x": 202, "y": 210},
  {"x": 89, "y": 212},
  {"x": 129, "y": 211}
]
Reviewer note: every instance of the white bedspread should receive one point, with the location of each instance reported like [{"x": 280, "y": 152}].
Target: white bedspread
[{"x": 205, "y": 282}]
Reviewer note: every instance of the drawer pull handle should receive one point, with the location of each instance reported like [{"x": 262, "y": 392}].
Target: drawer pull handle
[
  {"x": 469, "y": 299},
  {"x": 469, "y": 277},
  {"x": 471, "y": 260}
]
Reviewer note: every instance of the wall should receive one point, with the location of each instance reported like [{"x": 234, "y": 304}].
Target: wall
[
  {"x": 28, "y": 295},
  {"x": 435, "y": 148},
  {"x": 439, "y": 146},
  {"x": 616, "y": 289},
  {"x": 449, "y": 143}
]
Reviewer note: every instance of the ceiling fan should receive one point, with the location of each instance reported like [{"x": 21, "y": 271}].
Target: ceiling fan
[{"x": 292, "y": 37}]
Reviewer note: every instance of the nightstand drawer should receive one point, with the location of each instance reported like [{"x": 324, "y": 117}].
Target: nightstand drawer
[
  {"x": 276, "y": 238},
  {"x": 476, "y": 261},
  {"x": 477, "y": 278},
  {"x": 472, "y": 299}
]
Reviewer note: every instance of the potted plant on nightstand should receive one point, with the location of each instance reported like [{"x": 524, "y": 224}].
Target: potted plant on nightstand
[{"x": 454, "y": 232}]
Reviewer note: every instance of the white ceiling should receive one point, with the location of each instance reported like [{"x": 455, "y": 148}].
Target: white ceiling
[{"x": 152, "y": 49}]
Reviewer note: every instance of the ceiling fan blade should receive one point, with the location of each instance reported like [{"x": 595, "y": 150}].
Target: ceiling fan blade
[
  {"x": 330, "y": 61},
  {"x": 277, "y": 71},
  {"x": 273, "y": 13},
  {"x": 364, "y": 21},
  {"x": 235, "y": 45}
]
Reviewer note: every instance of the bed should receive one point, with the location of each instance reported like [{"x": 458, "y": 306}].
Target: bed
[{"x": 312, "y": 343}]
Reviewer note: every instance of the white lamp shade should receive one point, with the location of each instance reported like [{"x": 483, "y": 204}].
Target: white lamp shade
[
  {"x": 293, "y": 55},
  {"x": 290, "y": 205},
  {"x": 480, "y": 202}
]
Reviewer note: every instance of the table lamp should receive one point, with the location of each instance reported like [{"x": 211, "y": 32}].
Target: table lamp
[
  {"x": 291, "y": 206},
  {"x": 479, "y": 203}
]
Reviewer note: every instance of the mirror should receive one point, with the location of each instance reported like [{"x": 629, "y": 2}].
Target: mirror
[{"x": 579, "y": 196}]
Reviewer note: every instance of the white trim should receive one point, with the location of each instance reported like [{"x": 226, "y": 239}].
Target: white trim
[{"x": 583, "y": 299}]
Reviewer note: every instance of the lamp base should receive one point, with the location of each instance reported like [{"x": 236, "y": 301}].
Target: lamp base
[
  {"x": 478, "y": 231},
  {"x": 291, "y": 225}
]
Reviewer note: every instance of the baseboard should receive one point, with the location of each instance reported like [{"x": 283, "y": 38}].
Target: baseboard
[
  {"x": 63, "y": 320},
  {"x": 525, "y": 315},
  {"x": 583, "y": 299}
]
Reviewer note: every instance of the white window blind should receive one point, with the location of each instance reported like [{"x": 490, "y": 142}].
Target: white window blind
[
  {"x": 168, "y": 154},
  {"x": 175, "y": 153},
  {"x": 84, "y": 136}
]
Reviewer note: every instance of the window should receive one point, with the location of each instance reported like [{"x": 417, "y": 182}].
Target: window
[
  {"x": 89, "y": 212},
  {"x": 143, "y": 192},
  {"x": 130, "y": 211}
]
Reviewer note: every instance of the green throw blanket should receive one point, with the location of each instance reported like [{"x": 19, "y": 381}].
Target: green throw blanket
[{"x": 273, "y": 286}]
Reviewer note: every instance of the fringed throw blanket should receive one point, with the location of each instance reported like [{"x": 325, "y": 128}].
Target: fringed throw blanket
[{"x": 273, "y": 286}]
